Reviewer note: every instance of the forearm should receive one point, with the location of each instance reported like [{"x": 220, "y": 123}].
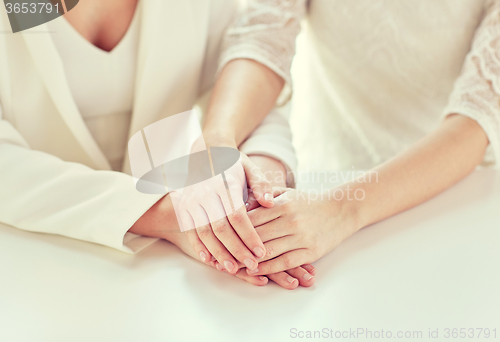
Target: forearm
[
  {"x": 243, "y": 95},
  {"x": 432, "y": 165}
]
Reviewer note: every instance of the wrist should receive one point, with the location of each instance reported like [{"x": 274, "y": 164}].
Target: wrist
[
  {"x": 350, "y": 202},
  {"x": 219, "y": 137},
  {"x": 158, "y": 222}
]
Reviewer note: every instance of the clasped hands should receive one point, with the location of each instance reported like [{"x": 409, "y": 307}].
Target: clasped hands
[
  {"x": 274, "y": 235},
  {"x": 213, "y": 215}
]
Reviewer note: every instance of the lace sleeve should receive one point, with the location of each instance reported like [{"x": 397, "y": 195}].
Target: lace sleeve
[
  {"x": 476, "y": 93},
  {"x": 265, "y": 31}
]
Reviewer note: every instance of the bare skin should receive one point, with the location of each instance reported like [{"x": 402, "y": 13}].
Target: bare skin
[
  {"x": 102, "y": 23},
  {"x": 299, "y": 231}
]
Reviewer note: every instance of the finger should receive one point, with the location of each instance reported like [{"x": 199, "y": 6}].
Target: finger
[
  {"x": 284, "y": 262},
  {"x": 216, "y": 248},
  {"x": 254, "y": 280},
  {"x": 305, "y": 278},
  {"x": 185, "y": 220},
  {"x": 243, "y": 227},
  {"x": 240, "y": 223},
  {"x": 310, "y": 269},
  {"x": 251, "y": 203},
  {"x": 227, "y": 236},
  {"x": 197, "y": 217},
  {"x": 277, "y": 247},
  {"x": 218, "y": 266},
  {"x": 272, "y": 230},
  {"x": 263, "y": 215},
  {"x": 284, "y": 280},
  {"x": 278, "y": 191},
  {"x": 258, "y": 182},
  {"x": 198, "y": 246}
]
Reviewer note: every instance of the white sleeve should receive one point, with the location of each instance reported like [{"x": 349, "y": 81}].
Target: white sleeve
[
  {"x": 477, "y": 91},
  {"x": 273, "y": 138},
  {"x": 42, "y": 193},
  {"x": 265, "y": 31}
]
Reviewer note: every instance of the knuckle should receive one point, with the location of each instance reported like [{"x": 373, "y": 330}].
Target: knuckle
[
  {"x": 312, "y": 255},
  {"x": 236, "y": 217},
  {"x": 238, "y": 252},
  {"x": 203, "y": 232},
  {"x": 269, "y": 251},
  {"x": 219, "y": 254},
  {"x": 293, "y": 221},
  {"x": 288, "y": 262},
  {"x": 219, "y": 227}
]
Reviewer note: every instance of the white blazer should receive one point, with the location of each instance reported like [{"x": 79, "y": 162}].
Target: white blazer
[{"x": 53, "y": 176}]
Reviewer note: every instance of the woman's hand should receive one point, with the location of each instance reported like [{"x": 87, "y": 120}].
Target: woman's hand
[
  {"x": 160, "y": 222},
  {"x": 300, "y": 229},
  {"x": 291, "y": 279},
  {"x": 214, "y": 216}
]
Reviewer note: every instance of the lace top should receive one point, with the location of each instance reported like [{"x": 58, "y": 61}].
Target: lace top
[
  {"x": 477, "y": 90},
  {"x": 374, "y": 76},
  {"x": 265, "y": 31}
]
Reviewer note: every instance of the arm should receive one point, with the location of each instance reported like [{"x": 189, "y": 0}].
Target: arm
[
  {"x": 431, "y": 166},
  {"x": 254, "y": 83},
  {"x": 442, "y": 158},
  {"x": 244, "y": 94},
  {"x": 42, "y": 193},
  {"x": 250, "y": 82}
]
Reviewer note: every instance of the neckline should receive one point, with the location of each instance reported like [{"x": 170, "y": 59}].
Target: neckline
[{"x": 125, "y": 38}]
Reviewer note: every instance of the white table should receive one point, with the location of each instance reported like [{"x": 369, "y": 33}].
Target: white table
[{"x": 434, "y": 267}]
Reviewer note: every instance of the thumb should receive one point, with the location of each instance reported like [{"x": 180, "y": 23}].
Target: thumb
[{"x": 258, "y": 183}]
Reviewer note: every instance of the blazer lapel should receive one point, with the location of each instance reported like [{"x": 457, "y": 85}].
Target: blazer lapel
[
  {"x": 49, "y": 65},
  {"x": 171, "y": 55}
]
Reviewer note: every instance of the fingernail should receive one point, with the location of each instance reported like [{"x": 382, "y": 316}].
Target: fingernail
[
  {"x": 290, "y": 279},
  {"x": 250, "y": 264},
  {"x": 262, "y": 278},
  {"x": 268, "y": 197},
  {"x": 247, "y": 205},
  {"x": 203, "y": 256},
  {"x": 307, "y": 277},
  {"x": 228, "y": 265},
  {"x": 259, "y": 252},
  {"x": 219, "y": 267},
  {"x": 212, "y": 258},
  {"x": 253, "y": 271}
]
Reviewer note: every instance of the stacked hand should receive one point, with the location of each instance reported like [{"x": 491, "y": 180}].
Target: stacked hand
[
  {"x": 299, "y": 230},
  {"x": 222, "y": 235},
  {"x": 280, "y": 230}
]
